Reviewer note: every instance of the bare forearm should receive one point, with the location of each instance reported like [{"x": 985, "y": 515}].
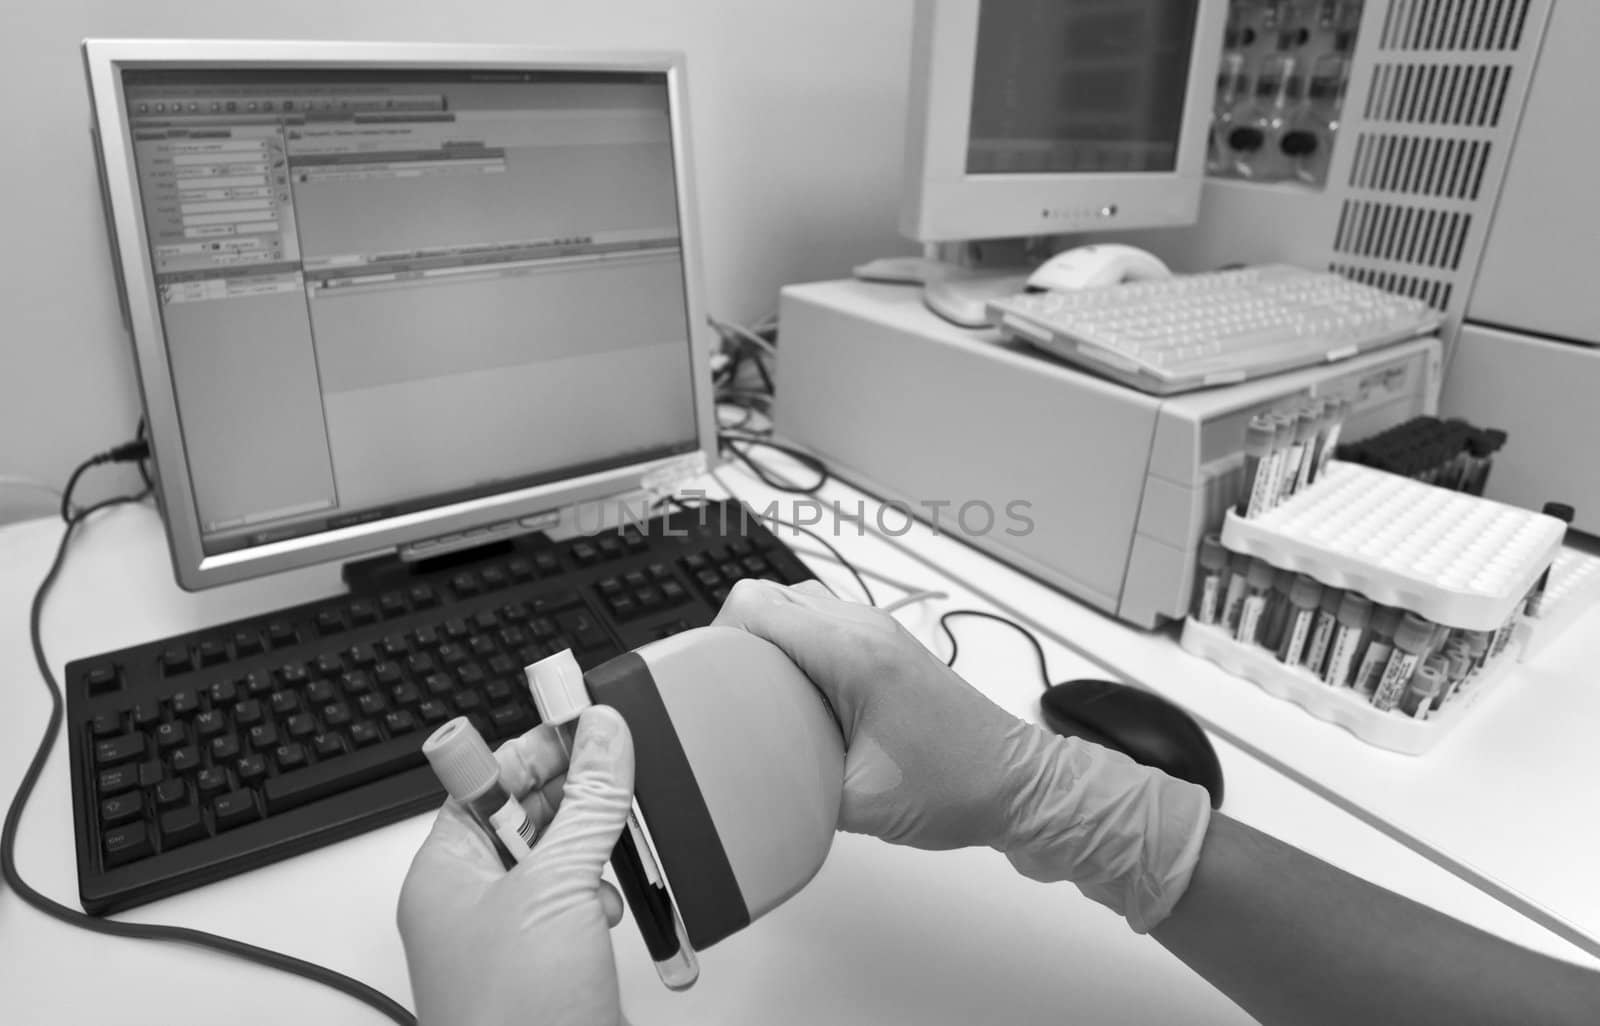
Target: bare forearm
[{"x": 1292, "y": 939}]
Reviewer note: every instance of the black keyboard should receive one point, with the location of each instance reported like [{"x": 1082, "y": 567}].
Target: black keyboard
[{"x": 200, "y": 756}]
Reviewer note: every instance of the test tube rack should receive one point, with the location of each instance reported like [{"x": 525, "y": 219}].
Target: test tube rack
[
  {"x": 1456, "y": 559},
  {"x": 1391, "y": 730},
  {"x": 1574, "y": 589}
]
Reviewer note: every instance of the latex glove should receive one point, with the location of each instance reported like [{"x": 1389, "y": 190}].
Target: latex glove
[
  {"x": 930, "y": 762},
  {"x": 485, "y": 945}
]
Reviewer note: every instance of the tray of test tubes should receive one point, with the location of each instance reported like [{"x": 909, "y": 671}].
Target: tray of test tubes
[
  {"x": 1449, "y": 557},
  {"x": 1427, "y": 708}
]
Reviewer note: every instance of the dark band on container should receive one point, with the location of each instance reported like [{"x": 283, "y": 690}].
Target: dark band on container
[{"x": 674, "y": 810}]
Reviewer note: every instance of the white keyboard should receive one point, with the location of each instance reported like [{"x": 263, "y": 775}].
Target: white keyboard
[{"x": 1201, "y": 330}]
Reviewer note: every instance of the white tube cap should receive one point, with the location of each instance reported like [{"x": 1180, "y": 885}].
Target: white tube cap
[{"x": 557, "y": 685}]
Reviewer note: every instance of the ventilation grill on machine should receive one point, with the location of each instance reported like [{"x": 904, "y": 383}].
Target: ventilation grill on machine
[{"x": 1429, "y": 143}]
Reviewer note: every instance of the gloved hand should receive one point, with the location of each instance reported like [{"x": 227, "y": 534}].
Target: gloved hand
[
  {"x": 932, "y": 763},
  {"x": 485, "y": 945}
]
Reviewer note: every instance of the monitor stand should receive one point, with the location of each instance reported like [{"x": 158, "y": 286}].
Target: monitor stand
[{"x": 961, "y": 294}]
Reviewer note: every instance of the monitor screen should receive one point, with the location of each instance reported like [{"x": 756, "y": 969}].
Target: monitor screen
[
  {"x": 386, "y": 291},
  {"x": 1079, "y": 86}
]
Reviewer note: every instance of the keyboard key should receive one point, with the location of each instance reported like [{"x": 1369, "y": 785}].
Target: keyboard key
[
  {"x": 224, "y": 748},
  {"x": 635, "y": 579},
  {"x": 393, "y": 603},
  {"x": 234, "y": 809},
  {"x": 180, "y": 826},
  {"x": 211, "y": 652},
  {"x": 499, "y": 690},
  {"x": 281, "y": 634},
  {"x": 284, "y": 703},
  {"x": 456, "y": 628},
  {"x": 146, "y": 715},
  {"x": 394, "y": 645},
  {"x": 115, "y": 781},
  {"x": 520, "y": 567},
  {"x": 376, "y": 761},
  {"x": 289, "y": 756},
  {"x": 247, "y": 712},
  {"x": 493, "y": 577},
  {"x": 122, "y": 808},
  {"x": 451, "y": 654},
  {"x": 387, "y": 673},
  {"x": 328, "y": 745},
  {"x": 469, "y": 674},
  {"x": 547, "y": 563},
  {"x": 212, "y": 780},
  {"x": 336, "y": 715},
  {"x": 106, "y": 725},
  {"x": 486, "y": 620},
  {"x": 584, "y": 553},
  {"x": 514, "y": 611},
  {"x": 503, "y": 664},
  {"x": 360, "y": 655},
  {"x": 329, "y": 622},
  {"x": 406, "y": 694},
  {"x": 399, "y": 722},
  {"x": 291, "y": 676},
  {"x": 125, "y": 844},
  {"x": 357, "y": 683},
  {"x": 176, "y": 660},
  {"x": 511, "y": 719},
  {"x": 440, "y": 684},
  {"x": 468, "y": 701},
  {"x": 263, "y": 736},
  {"x": 247, "y": 643},
  {"x": 673, "y": 592},
  {"x": 321, "y": 692},
  {"x": 422, "y": 596},
  {"x": 183, "y": 703},
  {"x": 252, "y": 769},
  {"x": 363, "y": 611},
  {"x": 542, "y": 627},
  {"x": 102, "y": 680},
  {"x": 171, "y": 793},
  {"x": 420, "y": 664},
  {"x": 556, "y": 601},
  {"x": 223, "y": 693},
  {"x": 170, "y": 735},
  {"x": 329, "y": 665},
  {"x": 433, "y": 711},
  {"x": 372, "y": 705},
  {"x": 301, "y": 725},
  {"x": 365, "y": 732},
  {"x": 650, "y": 597},
  {"x": 623, "y": 607},
  {"x": 185, "y": 759},
  {"x": 482, "y": 645},
  {"x": 465, "y": 584},
  {"x": 210, "y": 723}
]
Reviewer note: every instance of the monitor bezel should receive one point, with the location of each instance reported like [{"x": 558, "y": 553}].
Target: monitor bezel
[
  {"x": 941, "y": 202},
  {"x": 105, "y": 60}
]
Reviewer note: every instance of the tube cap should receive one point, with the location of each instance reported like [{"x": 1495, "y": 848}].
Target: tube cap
[
  {"x": 1305, "y": 591},
  {"x": 1560, "y": 510},
  {"x": 558, "y": 690},
  {"x": 1460, "y": 663},
  {"x": 461, "y": 759},
  {"x": 1477, "y": 642},
  {"x": 1331, "y": 600},
  {"x": 1306, "y": 426},
  {"x": 1212, "y": 555},
  {"x": 1354, "y": 610},
  {"x": 1384, "y": 620},
  {"x": 1260, "y": 574},
  {"x": 1413, "y": 633},
  {"x": 1427, "y": 680},
  {"x": 1258, "y": 435}
]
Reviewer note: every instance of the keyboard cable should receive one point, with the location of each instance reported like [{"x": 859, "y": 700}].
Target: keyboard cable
[{"x": 138, "y": 450}]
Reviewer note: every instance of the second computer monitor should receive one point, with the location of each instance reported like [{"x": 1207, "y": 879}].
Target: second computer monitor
[{"x": 1043, "y": 117}]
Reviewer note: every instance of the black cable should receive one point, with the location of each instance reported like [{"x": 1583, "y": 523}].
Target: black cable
[
  {"x": 860, "y": 580},
  {"x": 805, "y": 459},
  {"x": 142, "y": 434},
  {"x": 72, "y": 917},
  {"x": 1038, "y": 649}
]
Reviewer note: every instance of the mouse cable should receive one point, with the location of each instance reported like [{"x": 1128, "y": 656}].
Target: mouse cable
[
  {"x": 1038, "y": 649},
  {"x": 733, "y": 440},
  {"x": 19, "y": 803}
]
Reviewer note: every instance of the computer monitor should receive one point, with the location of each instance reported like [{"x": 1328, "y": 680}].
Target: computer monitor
[
  {"x": 396, "y": 296},
  {"x": 1044, "y": 117}
]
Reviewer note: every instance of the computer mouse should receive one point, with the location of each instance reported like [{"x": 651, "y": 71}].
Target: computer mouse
[
  {"x": 1143, "y": 726},
  {"x": 1088, "y": 267}
]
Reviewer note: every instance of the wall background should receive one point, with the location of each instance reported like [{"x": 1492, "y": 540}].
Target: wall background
[{"x": 797, "y": 112}]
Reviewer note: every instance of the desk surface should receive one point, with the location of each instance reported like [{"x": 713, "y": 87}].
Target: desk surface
[{"x": 883, "y": 935}]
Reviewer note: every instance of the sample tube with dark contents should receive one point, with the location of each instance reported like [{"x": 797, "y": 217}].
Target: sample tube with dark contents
[
  {"x": 1380, "y": 643},
  {"x": 1477, "y": 649},
  {"x": 1258, "y": 590},
  {"x": 1238, "y": 585},
  {"x": 1258, "y": 436},
  {"x": 1322, "y": 631},
  {"x": 1282, "y": 442},
  {"x": 1305, "y": 429},
  {"x": 1458, "y": 665},
  {"x": 1411, "y": 639},
  {"x": 1208, "y": 586},
  {"x": 1534, "y": 604},
  {"x": 1304, "y": 594},
  {"x": 1318, "y": 415},
  {"x": 1355, "y": 612},
  {"x": 1276, "y": 616},
  {"x": 471, "y": 775},
  {"x": 1424, "y": 692}
]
